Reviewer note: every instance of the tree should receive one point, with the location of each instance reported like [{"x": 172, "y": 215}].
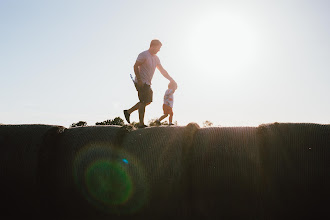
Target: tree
[
  {"x": 79, "y": 124},
  {"x": 115, "y": 121}
]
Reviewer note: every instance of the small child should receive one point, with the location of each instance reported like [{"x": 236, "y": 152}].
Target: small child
[{"x": 168, "y": 103}]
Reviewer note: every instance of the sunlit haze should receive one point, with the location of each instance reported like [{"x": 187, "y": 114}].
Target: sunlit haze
[{"x": 236, "y": 63}]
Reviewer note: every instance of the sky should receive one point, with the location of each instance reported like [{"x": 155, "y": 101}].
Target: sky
[{"x": 236, "y": 63}]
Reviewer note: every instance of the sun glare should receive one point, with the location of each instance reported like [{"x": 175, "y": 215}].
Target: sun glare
[{"x": 223, "y": 42}]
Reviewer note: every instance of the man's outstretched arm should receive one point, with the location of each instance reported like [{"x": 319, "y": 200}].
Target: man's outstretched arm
[{"x": 164, "y": 72}]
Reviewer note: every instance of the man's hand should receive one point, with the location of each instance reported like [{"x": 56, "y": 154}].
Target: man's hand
[{"x": 139, "y": 83}]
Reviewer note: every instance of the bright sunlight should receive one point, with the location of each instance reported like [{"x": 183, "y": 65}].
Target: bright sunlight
[{"x": 224, "y": 42}]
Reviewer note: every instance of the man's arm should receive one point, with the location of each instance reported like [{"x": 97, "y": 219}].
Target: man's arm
[
  {"x": 137, "y": 72},
  {"x": 164, "y": 72}
]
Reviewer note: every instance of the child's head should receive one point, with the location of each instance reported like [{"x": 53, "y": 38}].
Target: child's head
[{"x": 172, "y": 85}]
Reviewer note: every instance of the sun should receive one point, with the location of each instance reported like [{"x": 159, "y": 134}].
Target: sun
[{"x": 224, "y": 42}]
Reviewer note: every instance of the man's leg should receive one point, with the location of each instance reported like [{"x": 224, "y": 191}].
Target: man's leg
[
  {"x": 142, "y": 109},
  {"x": 135, "y": 107},
  {"x": 128, "y": 112}
]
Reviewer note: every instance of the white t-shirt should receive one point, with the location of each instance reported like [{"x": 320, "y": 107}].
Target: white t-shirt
[
  {"x": 169, "y": 98},
  {"x": 148, "y": 67}
]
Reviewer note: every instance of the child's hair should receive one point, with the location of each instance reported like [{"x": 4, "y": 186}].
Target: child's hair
[{"x": 172, "y": 85}]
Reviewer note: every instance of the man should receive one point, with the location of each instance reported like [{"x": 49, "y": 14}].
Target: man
[{"x": 144, "y": 69}]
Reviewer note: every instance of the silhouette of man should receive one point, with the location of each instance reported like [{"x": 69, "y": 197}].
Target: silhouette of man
[{"x": 144, "y": 69}]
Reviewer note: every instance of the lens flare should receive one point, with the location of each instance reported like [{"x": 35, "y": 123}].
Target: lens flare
[
  {"x": 110, "y": 179},
  {"x": 108, "y": 182}
]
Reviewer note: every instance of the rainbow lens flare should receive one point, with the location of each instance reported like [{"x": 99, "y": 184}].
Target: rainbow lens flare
[{"x": 110, "y": 179}]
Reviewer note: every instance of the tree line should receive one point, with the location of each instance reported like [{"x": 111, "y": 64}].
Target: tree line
[
  {"x": 120, "y": 122},
  {"x": 117, "y": 121}
]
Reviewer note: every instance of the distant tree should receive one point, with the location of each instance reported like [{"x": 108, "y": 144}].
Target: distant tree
[
  {"x": 118, "y": 121},
  {"x": 79, "y": 124},
  {"x": 115, "y": 121},
  {"x": 106, "y": 122},
  {"x": 207, "y": 124}
]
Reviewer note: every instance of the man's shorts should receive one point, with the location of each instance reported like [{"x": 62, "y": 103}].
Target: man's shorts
[
  {"x": 167, "y": 110},
  {"x": 145, "y": 94}
]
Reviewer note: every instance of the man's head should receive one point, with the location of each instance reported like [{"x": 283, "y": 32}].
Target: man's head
[{"x": 155, "y": 46}]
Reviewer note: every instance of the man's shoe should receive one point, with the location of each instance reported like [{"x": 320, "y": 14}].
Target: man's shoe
[
  {"x": 157, "y": 122},
  {"x": 170, "y": 124},
  {"x": 127, "y": 116},
  {"x": 142, "y": 126}
]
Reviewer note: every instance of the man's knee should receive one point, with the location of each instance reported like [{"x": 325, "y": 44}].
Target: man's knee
[{"x": 144, "y": 103}]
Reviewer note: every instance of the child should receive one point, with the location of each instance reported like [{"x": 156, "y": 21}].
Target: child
[{"x": 168, "y": 103}]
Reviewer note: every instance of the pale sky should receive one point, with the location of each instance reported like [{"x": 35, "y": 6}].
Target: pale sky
[{"x": 236, "y": 63}]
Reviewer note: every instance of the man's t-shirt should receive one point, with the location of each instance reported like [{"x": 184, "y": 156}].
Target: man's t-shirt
[{"x": 149, "y": 64}]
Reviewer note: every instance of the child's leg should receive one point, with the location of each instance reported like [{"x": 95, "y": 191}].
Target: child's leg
[
  {"x": 162, "y": 117},
  {"x": 170, "y": 118}
]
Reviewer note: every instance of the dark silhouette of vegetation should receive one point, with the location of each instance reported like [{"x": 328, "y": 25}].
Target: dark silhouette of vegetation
[
  {"x": 79, "y": 124},
  {"x": 133, "y": 125},
  {"x": 115, "y": 121}
]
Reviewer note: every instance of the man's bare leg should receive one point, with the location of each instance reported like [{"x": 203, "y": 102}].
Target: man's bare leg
[
  {"x": 134, "y": 108},
  {"x": 142, "y": 108},
  {"x": 128, "y": 112},
  {"x": 138, "y": 106}
]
